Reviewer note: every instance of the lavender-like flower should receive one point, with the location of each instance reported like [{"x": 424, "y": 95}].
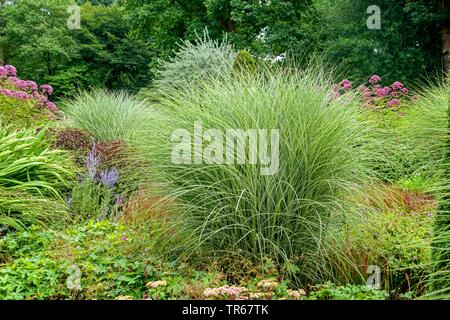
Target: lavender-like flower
[
  {"x": 109, "y": 177},
  {"x": 92, "y": 162}
]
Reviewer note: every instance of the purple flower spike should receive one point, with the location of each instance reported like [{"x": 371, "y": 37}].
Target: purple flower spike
[
  {"x": 109, "y": 177},
  {"x": 92, "y": 162}
]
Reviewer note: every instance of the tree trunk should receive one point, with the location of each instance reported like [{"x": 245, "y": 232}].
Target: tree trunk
[{"x": 446, "y": 39}]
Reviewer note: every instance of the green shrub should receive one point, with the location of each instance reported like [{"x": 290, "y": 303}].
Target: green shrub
[
  {"x": 416, "y": 183},
  {"x": 34, "y": 278},
  {"x": 22, "y": 113},
  {"x": 244, "y": 62},
  {"x": 194, "y": 62},
  {"x": 32, "y": 177},
  {"x": 113, "y": 260},
  {"x": 398, "y": 243},
  {"x": 436, "y": 124},
  {"x": 105, "y": 115},
  {"x": 330, "y": 291},
  {"x": 323, "y": 157},
  {"x": 39, "y": 263},
  {"x": 427, "y": 131}
]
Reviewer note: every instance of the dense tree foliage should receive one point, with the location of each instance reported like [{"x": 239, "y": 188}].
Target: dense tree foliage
[
  {"x": 35, "y": 37},
  {"x": 407, "y": 47},
  {"x": 120, "y": 42},
  {"x": 264, "y": 26},
  {"x": 101, "y": 53}
]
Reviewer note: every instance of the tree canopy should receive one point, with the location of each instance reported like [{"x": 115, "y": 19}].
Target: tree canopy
[{"x": 120, "y": 42}]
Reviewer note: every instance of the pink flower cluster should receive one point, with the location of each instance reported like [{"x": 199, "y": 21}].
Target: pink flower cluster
[
  {"x": 13, "y": 87},
  {"x": 375, "y": 94},
  {"x": 224, "y": 291},
  {"x": 346, "y": 85}
]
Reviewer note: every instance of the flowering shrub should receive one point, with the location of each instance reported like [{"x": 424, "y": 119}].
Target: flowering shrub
[
  {"x": 23, "y": 102},
  {"x": 226, "y": 291},
  {"x": 97, "y": 192},
  {"x": 375, "y": 95}
]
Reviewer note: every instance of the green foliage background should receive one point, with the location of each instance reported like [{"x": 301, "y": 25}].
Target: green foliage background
[{"x": 120, "y": 42}]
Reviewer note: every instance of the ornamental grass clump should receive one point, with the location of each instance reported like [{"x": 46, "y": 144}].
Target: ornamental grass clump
[
  {"x": 32, "y": 178},
  {"x": 324, "y": 152},
  {"x": 106, "y": 115},
  {"x": 428, "y": 131},
  {"x": 194, "y": 62}
]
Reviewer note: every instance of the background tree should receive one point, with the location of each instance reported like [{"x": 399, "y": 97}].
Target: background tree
[
  {"x": 102, "y": 53},
  {"x": 408, "y": 46},
  {"x": 263, "y": 26},
  {"x": 111, "y": 56},
  {"x": 36, "y": 38},
  {"x": 120, "y": 42}
]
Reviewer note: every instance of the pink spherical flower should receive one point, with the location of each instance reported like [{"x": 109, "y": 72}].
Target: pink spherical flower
[
  {"x": 367, "y": 93},
  {"x": 7, "y": 93},
  {"x": 31, "y": 85},
  {"x": 13, "y": 79},
  {"x": 394, "y": 94},
  {"x": 47, "y": 89},
  {"x": 405, "y": 90},
  {"x": 3, "y": 72},
  {"x": 346, "y": 84},
  {"x": 393, "y": 102},
  {"x": 12, "y": 72},
  {"x": 21, "y": 84},
  {"x": 375, "y": 79},
  {"x": 22, "y": 95},
  {"x": 397, "y": 85},
  {"x": 381, "y": 93},
  {"x": 51, "y": 106}
]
